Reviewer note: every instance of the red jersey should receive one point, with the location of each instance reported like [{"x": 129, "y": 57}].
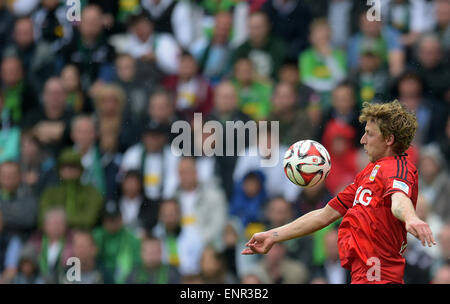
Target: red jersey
[{"x": 369, "y": 231}]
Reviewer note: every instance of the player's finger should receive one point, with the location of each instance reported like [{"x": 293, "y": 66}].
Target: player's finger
[
  {"x": 247, "y": 251},
  {"x": 430, "y": 238},
  {"x": 252, "y": 240}
]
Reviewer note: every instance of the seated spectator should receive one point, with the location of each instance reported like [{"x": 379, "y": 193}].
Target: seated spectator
[
  {"x": 154, "y": 159},
  {"x": 233, "y": 241},
  {"x": 19, "y": 99},
  {"x": 253, "y": 94},
  {"x": 213, "y": 268},
  {"x": 384, "y": 38},
  {"x": 82, "y": 203},
  {"x": 136, "y": 85},
  {"x": 52, "y": 25},
  {"x": 294, "y": 122},
  {"x": 322, "y": 67},
  {"x": 89, "y": 50},
  {"x": 85, "y": 249},
  {"x": 310, "y": 199},
  {"x": 330, "y": 270},
  {"x": 203, "y": 205},
  {"x": 434, "y": 182},
  {"x": 432, "y": 67},
  {"x": 138, "y": 214},
  {"x": 192, "y": 92},
  {"x": 182, "y": 246},
  {"x": 116, "y": 134},
  {"x": 51, "y": 124},
  {"x": 249, "y": 198},
  {"x": 36, "y": 55},
  {"x": 28, "y": 270},
  {"x": 37, "y": 166},
  {"x": 10, "y": 247},
  {"x": 53, "y": 246},
  {"x": 172, "y": 17},
  {"x": 290, "y": 20},
  {"x": 371, "y": 79},
  {"x": 118, "y": 248},
  {"x": 77, "y": 100},
  {"x": 213, "y": 52},
  {"x": 153, "y": 270},
  {"x": 265, "y": 50},
  {"x": 9, "y": 135},
  {"x": 18, "y": 207},
  {"x": 282, "y": 269},
  {"x": 255, "y": 276},
  {"x": 276, "y": 181},
  {"x": 151, "y": 47},
  {"x": 338, "y": 138}
]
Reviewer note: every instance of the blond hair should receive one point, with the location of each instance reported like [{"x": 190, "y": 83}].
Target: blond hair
[{"x": 392, "y": 119}]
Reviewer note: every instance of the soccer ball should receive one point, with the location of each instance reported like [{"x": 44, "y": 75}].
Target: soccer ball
[{"x": 306, "y": 163}]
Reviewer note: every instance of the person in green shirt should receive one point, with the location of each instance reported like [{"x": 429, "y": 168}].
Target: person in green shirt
[
  {"x": 322, "y": 67},
  {"x": 119, "y": 249},
  {"x": 82, "y": 203},
  {"x": 253, "y": 95}
]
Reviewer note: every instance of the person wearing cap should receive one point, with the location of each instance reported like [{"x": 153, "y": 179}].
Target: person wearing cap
[
  {"x": 82, "y": 203},
  {"x": 154, "y": 159},
  {"x": 118, "y": 248}
]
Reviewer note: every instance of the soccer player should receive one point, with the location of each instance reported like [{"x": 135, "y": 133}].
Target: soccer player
[{"x": 378, "y": 208}]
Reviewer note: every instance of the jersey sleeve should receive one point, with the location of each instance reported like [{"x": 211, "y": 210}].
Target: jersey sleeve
[
  {"x": 397, "y": 178},
  {"x": 344, "y": 199}
]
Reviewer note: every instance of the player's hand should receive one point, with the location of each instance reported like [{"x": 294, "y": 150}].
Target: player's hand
[
  {"x": 259, "y": 243},
  {"x": 420, "y": 230}
]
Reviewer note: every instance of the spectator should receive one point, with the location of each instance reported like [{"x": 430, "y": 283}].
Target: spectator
[
  {"x": 282, "y": 269},
  {"x": 290, "y": 20},
  {"x": 442, "y": 276},
  {"x": 340, "y": 19},
  {"x": 254, "y": 95},
  {"x": 444, "y": 244},
  {"x": 77, "y": 99},
  {"x": 330, "y": 270},
  {"x": 89, "y": 50},
  {"x": 213, "y": 54},
  {"x": 322, "y": 67},
  {"x": 138, "y": 214},
  {"x": 156, "y": 162},
  {"x": 434, "y": 181},
  {"x": 203, "y": 205},
  {"x": 153, "y": 270},
  {"x": 52, "y": 246},
  {"x": 432, "y": 67},
  {"x": 51, "y": 24},
  {"x": 37, "y": 166},
  {"x": 18, "y": 208},
  {"x": 85, "y": 249},
  {"x": 226, "y": 109},
  {"x": 136, "y": 84},
  {"x": 151, "y": 47},
  {"x": 18, "y": 97},
  {"x": 81, "y": 203},
  {"x": 51, "y": 125},
  {"x": 444, "y": 141},
  {"x": 118, "y": 248},
  {"x": 233, "y": 241},
  {"x": 28, "y": 270},
  {"x": 182, "y": 246},
  {"x": 36, "y": 55},
  {"x": 193, "y": 93},
  {"x": 266, "y": 51},
  {"x": 385, "y": 39},
  {"x": 10, "y": 247},
  {"x": 310, "y": 199},
  {"x": 116, "y": 134},
  {"x": 213, "y": 268},
  {"x": 442, "y": 26},
  {"x": 172, "y": 17},
  {"x": 249, "y": 198},
  {"x": 9, "y": 135},
  {"x": 294, "y": 122}
]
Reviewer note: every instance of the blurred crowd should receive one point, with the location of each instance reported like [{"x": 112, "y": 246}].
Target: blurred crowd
[{"x": 87, "y": 166}]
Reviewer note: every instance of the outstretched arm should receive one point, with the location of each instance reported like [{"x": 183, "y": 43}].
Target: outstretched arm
[
  {"x": 311, "y": 222},
  {"x": 403, "y": 209}
]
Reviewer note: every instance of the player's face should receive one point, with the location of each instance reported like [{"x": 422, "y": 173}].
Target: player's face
[{"x": 374, "y": 144}]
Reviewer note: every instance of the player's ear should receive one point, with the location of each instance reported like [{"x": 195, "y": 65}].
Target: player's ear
[{"x": 390, "y": 139}]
